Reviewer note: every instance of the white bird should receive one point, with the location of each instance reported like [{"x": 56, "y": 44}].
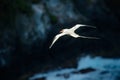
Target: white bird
[{"x": 71, "y": 32}]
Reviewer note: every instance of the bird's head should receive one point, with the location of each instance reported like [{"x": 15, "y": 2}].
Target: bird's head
[{"x": 62, "y": 31}]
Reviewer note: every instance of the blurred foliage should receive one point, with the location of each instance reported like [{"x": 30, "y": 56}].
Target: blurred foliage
[
  {"x": 9, "y": 10},
  {"x": 89, "y": 2},
  {"x": 23, "y": 6},
  {"x": 53, "y": 18}
]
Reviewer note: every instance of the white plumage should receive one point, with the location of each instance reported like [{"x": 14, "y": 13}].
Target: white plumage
[{"x": 71, "y": 32}]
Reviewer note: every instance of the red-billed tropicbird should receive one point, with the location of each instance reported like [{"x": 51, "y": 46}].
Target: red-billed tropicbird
[{"x": 71, "y": 32}]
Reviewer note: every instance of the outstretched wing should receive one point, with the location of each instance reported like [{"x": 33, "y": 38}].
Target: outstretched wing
[
  {"x": 56, "y": 38},
  {"x": 80, "y": 25},
  {"x": 89, "y": 37}
]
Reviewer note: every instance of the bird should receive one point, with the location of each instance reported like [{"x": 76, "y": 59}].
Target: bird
[{"x": 71, "y": 32}]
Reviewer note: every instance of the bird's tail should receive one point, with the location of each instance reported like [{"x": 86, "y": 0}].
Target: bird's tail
[
  {"x": 90, "y": 26},
  {"x": 89, "y": 37}
]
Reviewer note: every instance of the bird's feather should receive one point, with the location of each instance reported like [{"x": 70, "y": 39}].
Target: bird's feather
[
  {"x": 74, "y": 35},
  {"x": 56, "y": 38},
  {"x": 89, "y": 37},
  {"x": 80, "y": 25},
  {"x": 71, "y": 33}
]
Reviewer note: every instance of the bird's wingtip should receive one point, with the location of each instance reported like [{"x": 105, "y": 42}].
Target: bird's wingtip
[
  {"x": 50, "y": 47},
  {"x": 85, "y": 25}
]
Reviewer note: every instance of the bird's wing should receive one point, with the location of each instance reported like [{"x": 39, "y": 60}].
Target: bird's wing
[
  {"x": 56, "y": 38},
  {"x": 80, "y": 25},
  {"x": 89, "y": 37}
]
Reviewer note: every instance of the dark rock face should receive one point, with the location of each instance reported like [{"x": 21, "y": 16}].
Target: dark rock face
[
  {"x": 104, "y": 72},
  {"x": 99, "y": 12},
  {"x": 65, "y": 75},
  {"x": 84, "y": 71},
  {"x": 43, "y": 78},
  {"x": 25, "y": 46}
]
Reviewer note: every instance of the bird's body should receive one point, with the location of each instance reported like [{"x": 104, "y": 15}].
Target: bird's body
[{"x": 71, "y": 32}]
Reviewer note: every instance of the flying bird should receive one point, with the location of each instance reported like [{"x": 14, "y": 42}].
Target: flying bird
[{"x": 71, "y": 32}]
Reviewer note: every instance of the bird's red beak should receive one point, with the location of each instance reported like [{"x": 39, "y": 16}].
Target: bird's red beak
[{"x": 61, "y": 31}]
